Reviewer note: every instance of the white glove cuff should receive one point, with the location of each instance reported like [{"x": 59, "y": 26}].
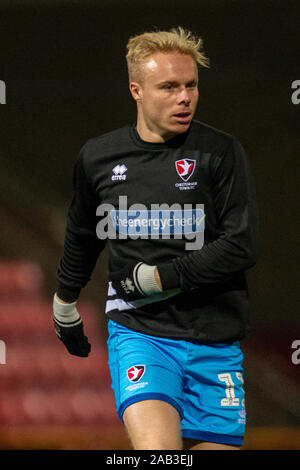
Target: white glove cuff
[
  {"x": 65, "y": 313},
  {"x": 144, "y": 279}
]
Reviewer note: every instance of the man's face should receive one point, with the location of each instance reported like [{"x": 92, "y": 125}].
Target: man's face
[{"x": 168, "y": 93}]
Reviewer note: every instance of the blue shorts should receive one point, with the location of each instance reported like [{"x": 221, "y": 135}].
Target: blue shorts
[{"x": 203, "y": 382}]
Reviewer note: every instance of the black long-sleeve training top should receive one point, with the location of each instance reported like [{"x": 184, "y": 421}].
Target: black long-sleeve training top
[{"x": 203, "y": 174}]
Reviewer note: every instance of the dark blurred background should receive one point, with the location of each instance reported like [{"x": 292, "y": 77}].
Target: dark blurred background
[{"x": 64, "y": 66}]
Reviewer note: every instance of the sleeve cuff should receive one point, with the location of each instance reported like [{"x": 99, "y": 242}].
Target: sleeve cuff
[
  {"x": 169, "y": 276},
  {"x": 68, "y": 294}
]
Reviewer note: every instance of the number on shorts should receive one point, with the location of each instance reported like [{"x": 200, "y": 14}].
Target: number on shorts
[{"x": 231, "y": 399}]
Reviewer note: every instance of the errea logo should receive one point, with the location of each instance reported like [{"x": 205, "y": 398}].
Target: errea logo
[
  {"x": 118, "y": 173},
  {"x": 127, "y": 285}
]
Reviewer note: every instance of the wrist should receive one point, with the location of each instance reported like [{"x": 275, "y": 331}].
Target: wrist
[
  {"x": 64, "y": 313},
  {"x": 157, "y": 278},
  {"x": 67, "y": 293},
  {"x": 62, "y": 301},
  {"x": 147, "y": 278}
]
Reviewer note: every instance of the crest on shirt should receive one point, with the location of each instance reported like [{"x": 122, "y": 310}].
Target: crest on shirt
[
  {"x": 135, "y": 373},
  {"x": 185, "y": 168},
  {"x": 119, "y": 173}
]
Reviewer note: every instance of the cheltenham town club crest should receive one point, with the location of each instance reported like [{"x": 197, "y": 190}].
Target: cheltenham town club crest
[
  {"x": 135, "y": 373},
  {"x": 185, "y": 168}
]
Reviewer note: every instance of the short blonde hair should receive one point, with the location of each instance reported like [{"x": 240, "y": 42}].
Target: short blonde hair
[{"x": 140, "y": 47}]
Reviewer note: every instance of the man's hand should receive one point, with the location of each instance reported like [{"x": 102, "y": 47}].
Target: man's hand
[
  {"x": 136, "y": 281},
  {"x": 69, "y": 328}
]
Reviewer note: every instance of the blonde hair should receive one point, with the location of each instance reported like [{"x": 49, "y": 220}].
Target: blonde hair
[{"x": 140, "y": 47}]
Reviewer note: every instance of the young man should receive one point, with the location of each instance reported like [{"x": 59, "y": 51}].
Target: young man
[{"x": 177, "y": 308}]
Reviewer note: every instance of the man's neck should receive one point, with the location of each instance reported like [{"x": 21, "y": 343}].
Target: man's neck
[{"x": 148, "y": 135}]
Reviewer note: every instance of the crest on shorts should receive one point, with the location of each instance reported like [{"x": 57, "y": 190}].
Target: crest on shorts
[
  {"x": 135, "y": 373},
  {"x": 185, "y": 168}
]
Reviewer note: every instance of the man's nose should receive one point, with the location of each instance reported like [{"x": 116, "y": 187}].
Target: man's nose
[{"x": 184, "y": 97}]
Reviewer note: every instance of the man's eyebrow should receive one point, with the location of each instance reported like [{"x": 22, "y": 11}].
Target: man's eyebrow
[
  {"x": 174, "y": 82},
  {"x": 165, "y": 82}
]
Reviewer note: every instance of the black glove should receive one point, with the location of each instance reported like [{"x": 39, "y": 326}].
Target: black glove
[
  {"x": 73, "y": 338},
  {"x": 135, "y": 281},
  {"x": 69, "y": 328}
]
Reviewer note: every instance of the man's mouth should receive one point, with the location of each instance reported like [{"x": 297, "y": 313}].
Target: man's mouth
[
  {"x": 183, "y": 114},
  {"x": 183, "y": 117}
]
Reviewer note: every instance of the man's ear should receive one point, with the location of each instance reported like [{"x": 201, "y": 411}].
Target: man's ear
[{"x": 136, "y": 91}]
